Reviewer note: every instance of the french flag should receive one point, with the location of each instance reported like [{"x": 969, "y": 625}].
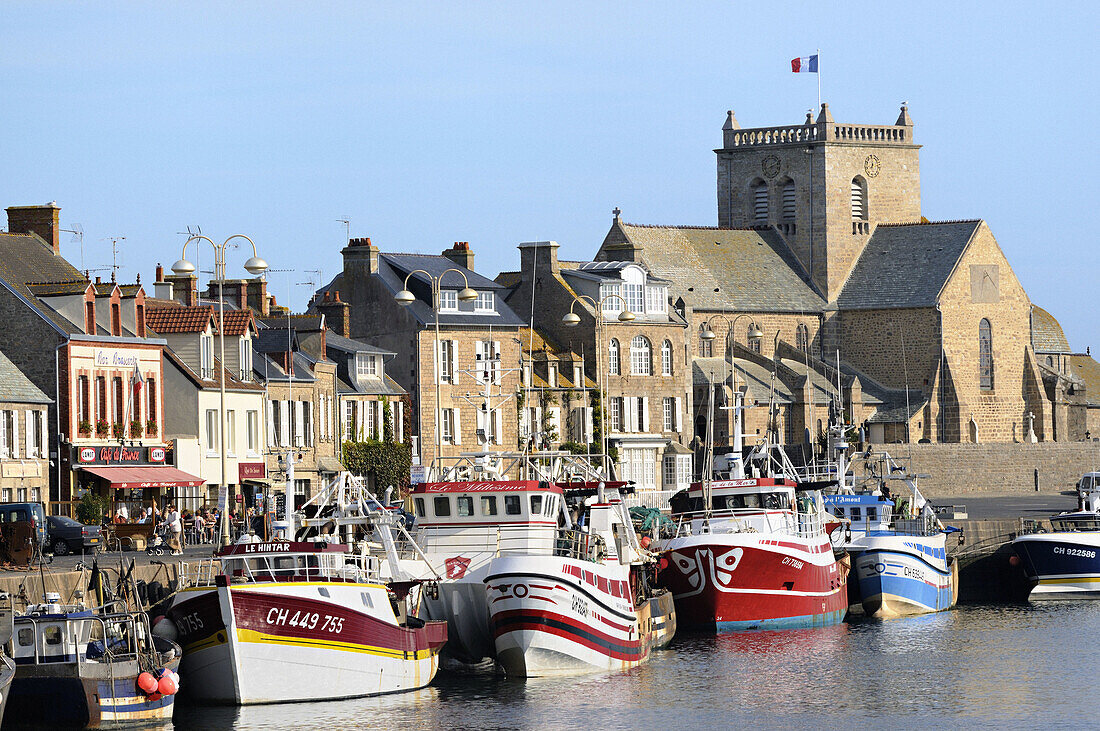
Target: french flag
[{"x": 804, "y": 65}]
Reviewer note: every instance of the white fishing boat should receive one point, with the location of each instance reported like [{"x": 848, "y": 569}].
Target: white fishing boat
[{"x": 330, "y": 616}]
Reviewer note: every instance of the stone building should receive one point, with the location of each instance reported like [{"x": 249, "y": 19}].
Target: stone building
[
  {"x": 642, "y": 363},
  {"x": 24, "y": 464},
  {"x": 822, "y": 246},
  {"x": 466, "y": 351}
]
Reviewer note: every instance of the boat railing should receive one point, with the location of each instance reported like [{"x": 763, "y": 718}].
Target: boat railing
[
  {"x": 580, "y": 545},
  {"x": 657, "y": 499},
  {"x": 198, "y": 574},
  {"x": 120, "y": 628}
]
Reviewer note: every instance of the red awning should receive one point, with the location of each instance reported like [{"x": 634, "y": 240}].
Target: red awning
[{"x": 145, "y": 476}]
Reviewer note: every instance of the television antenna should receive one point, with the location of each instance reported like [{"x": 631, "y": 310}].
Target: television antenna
[
  {"x": 115, "y": 266},
  {"x": 347, "y": 229},
  {"x": 78, "y": 236}
]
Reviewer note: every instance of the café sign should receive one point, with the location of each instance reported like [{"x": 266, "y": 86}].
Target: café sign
[
  {"x": 118, "y": 455},
  {"x": 116, "y": 358}
]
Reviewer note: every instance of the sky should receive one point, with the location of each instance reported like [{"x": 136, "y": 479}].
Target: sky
[{"x": 495, "y": 123}]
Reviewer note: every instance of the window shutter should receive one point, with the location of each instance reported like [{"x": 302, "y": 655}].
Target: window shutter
[
  {"x": 498, "y": 436},
  {"x": 588, "y": 426},
  {"x": 309, "y": 422},
  {"x": 15, "y": 434},
  {"x": 30, "y": 435},
  {"x": 481, "y": 425},
  {"x": 270, "y": 425},
  {"x": 496, "y": 366},
  {"x": 3, "y": 434},
  {"x": 457, "y": 424},
  {"x": 284, "y": 426},
  {"x": 399, "y": 422},
  {"x": 645, "y": 413},
  {"x": 437, "y": 362},
  {"x": 677, "y": 418},
  {"x": 479, "y": 360},
  {"x": 630, "y": 417},
  {"x": 43, "y": 444},
  {"x": 454, "y": 365}
]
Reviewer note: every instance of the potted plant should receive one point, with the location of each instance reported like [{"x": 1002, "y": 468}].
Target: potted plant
[
  {"x": 151, "y": 427},
  {"x": 135, "y": 429},
  {"x": 117, "y": 430},
  {"x": 84, "y": 428},
  {"x": 101, "y": 428}
]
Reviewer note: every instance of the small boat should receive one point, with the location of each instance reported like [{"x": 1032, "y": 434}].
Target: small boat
[
  {"x": 306, "y": 620},
  {"x": 79, "y": 668},
  {"x": 1063, "y": 563},
  {"x": 588, "y": 602},
  {"x": 900, "y": 562}
]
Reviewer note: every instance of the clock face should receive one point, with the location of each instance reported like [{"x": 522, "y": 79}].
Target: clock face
[
  {"x": 770, "y": 166},
  {"x": 871, "y": 166}
]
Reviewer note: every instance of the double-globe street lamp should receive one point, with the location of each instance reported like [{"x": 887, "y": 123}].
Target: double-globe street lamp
[
  {"x": 754, "y": 335},
  {"x": 405, "y": 298},
  {"x": 572, "y": 319},
  {"x": 255, "y": 266}
]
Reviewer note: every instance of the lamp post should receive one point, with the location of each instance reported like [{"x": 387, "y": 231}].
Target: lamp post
[
  {"x": 406, "y": 298},
  {"x": 709, "y": 335},
  {"x": 256, "y": 266},
  {"x": 572, "y": 319}
]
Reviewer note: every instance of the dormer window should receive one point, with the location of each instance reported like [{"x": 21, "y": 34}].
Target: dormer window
[
  {"x": 206, "y": 356},
  {"x": 634, "y": 296},
  {"x": 245, "y": 359},
  {"x": 485, "y": 302},
  {"x": 448, "y": 300},
  {"x": 366, "y": 365},
  {"x": 656, "y": 299}
]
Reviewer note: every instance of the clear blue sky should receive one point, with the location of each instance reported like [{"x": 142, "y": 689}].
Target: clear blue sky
[{"x": 431, "y": 123}]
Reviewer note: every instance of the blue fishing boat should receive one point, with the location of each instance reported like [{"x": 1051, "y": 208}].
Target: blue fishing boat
[{"x": 899, "y": 558}]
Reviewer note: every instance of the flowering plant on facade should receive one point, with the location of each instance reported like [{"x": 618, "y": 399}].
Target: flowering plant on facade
[
  {"x": 101, "y": 428},
  {"x": 118, "y": 430},
  {"x": 84, "y": 428},
  {"x": 151, "y": 427},
  {"x": 135, "y": 428}
]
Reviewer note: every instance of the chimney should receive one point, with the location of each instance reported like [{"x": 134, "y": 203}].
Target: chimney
[
  {"x": 337, "y": 314},
  {"x": 360, "y": 257},
  {"x": 461, "y": 254},
  {"x": 185, "y": 288},
  {"x": 162, "y": 290},
  {"x": 40, "y": 220},
  {"x": 545, "y": 257},
  {"x": 256, "y": 296}
]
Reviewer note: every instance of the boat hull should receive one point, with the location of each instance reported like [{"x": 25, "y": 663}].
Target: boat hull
[
  {"x": 83, "y": 695},
  {"x": 285, "y": 642},
  {"x": 905, "y": 575},
  {"x": 561, "y": 616},
  {"x": 739, "y": 581},
  {"x": 1064, "y": 565},
  {"x": 461, "y": 604}
]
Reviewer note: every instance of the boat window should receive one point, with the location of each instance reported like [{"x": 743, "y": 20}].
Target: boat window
[
  {"x": 536, "y": 504},
  {"x": 367, "y": 601},
  {"x": 419, "y": 503},
  {"x": 442, "y": 506},
  {"x": 52, "y": 634},
  {"x": 872, "y": 514},
  {"x": 731, "y": 502},
  {"x": 285, "y": 563},
  {"x": 857, "y": 514},
  {"x": 549, "y": 506},
  {"x": 26, "y": 636},
  {"x": 773, "y": 501},
  {"x": 488, "y": 505},
  {"x": 752, "y": 500},
  {"x": 465, "y": 506},
  {"x": 511, "y": 505}
]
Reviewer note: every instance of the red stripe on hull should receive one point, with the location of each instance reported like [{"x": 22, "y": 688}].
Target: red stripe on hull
[
  {"x": 717, "y": 583},
  {"x": 562, "y": 626}
]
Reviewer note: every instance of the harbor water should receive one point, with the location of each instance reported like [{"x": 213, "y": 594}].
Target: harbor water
[{"x": 976, "y": 666}]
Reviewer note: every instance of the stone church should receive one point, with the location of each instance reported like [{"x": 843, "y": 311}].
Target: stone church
[{"x": 823, "y": 252}]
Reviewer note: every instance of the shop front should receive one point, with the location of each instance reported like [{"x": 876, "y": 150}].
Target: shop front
[{"x": 133, "y": 478}]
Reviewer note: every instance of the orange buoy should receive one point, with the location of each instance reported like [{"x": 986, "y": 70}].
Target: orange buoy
[
  {"x": 167, "y": 685},
  {"x": 147, "y": 683},
  {"x": 646, "y": 540}
]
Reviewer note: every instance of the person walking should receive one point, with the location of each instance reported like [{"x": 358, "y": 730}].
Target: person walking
[{"x": 175, "y": 525}]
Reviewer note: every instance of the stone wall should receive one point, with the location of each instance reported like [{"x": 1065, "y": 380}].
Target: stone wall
[{"x": 960, "y": 469}]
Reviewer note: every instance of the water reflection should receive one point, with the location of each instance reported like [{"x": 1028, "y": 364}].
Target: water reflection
[{"x": 972, "y": 666}]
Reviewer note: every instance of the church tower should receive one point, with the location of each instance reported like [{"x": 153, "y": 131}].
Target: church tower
[{"x": 823, "y": 186}]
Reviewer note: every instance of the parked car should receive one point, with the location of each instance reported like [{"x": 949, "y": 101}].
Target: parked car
[
  {"x": 70, "y": 536},
  {"x": 34, "y": 513}
]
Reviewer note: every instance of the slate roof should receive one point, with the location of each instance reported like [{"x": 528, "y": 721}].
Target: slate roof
[
  {"x": 47, "y": 289},
  {"x": 905, "y": 265},
  {"x": 1046, "y": 333},
  {"x": 15, "y": 387},
  {"x": 274, "y": 340},
  {"x": 756, "y": 376},
  {"x": 723, "y": 269},
  {"x": 335, "y": 340},
  {"x": 27, "y": 258},
  {"x": 231, "y": 382},
  {"x": 1087, "y": 369}
]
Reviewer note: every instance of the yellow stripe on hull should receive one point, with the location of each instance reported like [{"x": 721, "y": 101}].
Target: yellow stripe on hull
[{"x": 248, "y": 635}]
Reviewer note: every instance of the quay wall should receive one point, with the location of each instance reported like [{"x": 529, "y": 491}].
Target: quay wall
[
  {"x": 986, "y": 571},
  {"x": 26, "y": 586},
  {"x": 958, "y": 469}
]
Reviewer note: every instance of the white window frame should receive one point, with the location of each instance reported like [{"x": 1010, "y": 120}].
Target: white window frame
[
  {"x": 614, "y": 357},
  {"x": 668, "y": 419},
  {"x": 641, "y": 356},
  {"x": 485, "y": 302},
  {"x": 252, "y": 432},
  {"x": 244, "y": 356},
  {"x": 448, "y": 300},
  {"x": 615, "y": 413},
  {"x": 634, "y": 294},
  {"x": 366, "y": 365},
  {"x": 206, "y": 356},
  {"x": 230, "y": 433},
  {"x": 666, "y": 358},
  {"x": 212, "y": 442}
]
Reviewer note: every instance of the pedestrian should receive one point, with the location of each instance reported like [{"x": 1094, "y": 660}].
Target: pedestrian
[
  {"x": 200, "y": 527},
  {"x": 123, "y": 513},
  {"x": 175, "y": 525}
]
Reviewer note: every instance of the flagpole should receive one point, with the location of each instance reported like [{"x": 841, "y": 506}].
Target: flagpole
[{"x": 819, "y": 80}]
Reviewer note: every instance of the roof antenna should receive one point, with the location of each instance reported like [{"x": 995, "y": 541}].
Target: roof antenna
[
  {"x": 347, "y": 229},
  {"x": 114, "y": 255},
  {"x": 78, "y": 235}
]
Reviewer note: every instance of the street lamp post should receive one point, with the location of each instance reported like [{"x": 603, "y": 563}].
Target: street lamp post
[
  {"x": 572, "y": 319},
  {"x": 754, "y": 334},
  {"x": 256, "y": 266},
  {"x": 406, "y": 298}
]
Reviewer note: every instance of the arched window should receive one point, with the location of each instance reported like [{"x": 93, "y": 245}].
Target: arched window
[
  {"x": 985, "y": 355},
  {"x": 706, "y": 347},
  {"x": 859, "y": 199},
  {"x": 802, "y": 337},
  {"x": 641, "y": 363},
  {"x": 760, "y": 212},
  {"x": 613, "y": 358},
  {"x": 666, "y": 358},
  {"x": 787, "y": 201},
  {"x": 754, "y": 345}
]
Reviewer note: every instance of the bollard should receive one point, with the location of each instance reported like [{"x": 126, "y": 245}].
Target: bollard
[{"x": 1036, "y": 479}]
